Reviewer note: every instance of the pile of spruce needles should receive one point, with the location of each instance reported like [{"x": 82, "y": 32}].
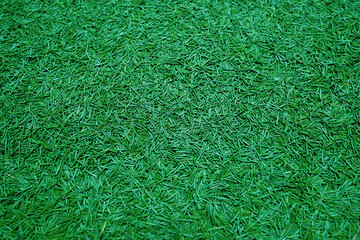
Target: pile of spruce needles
[{"x": 201, "y": 119}]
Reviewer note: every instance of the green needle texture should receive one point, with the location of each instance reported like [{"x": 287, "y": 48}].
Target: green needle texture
[{"x": 192, "y": 119}]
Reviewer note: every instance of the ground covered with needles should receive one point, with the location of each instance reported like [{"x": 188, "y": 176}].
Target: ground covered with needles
[{"x": 199, "y": 119}]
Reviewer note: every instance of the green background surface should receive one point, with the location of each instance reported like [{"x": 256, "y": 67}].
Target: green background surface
[{"x": 179, "y": 119}]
